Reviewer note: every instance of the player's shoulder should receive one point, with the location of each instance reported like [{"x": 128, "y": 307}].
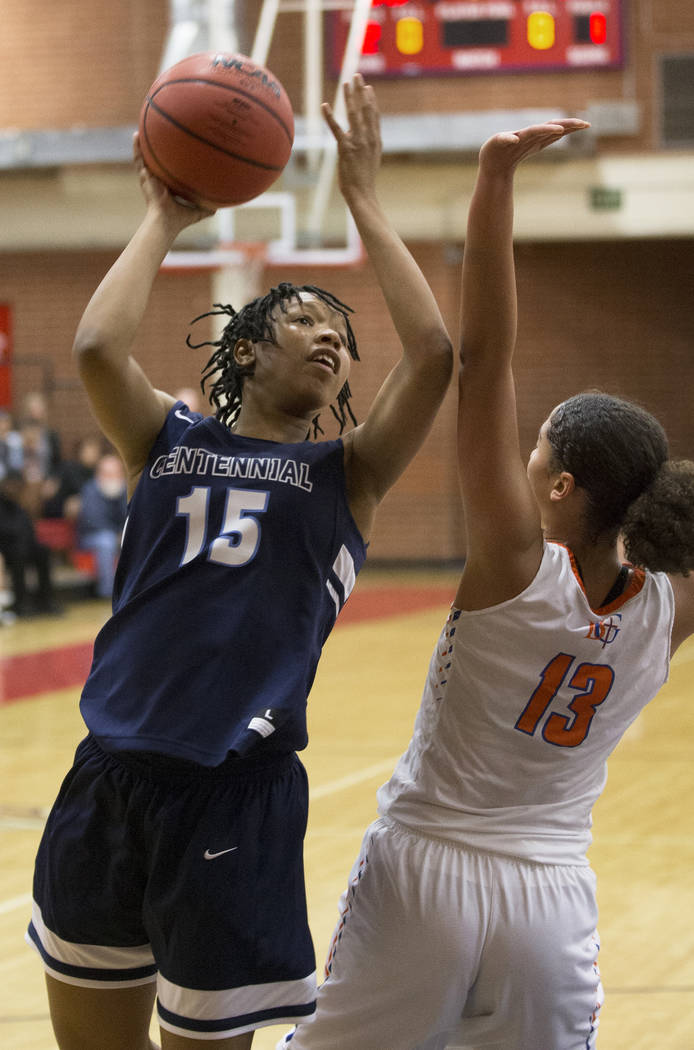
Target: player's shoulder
[
  {"x": 683, "y": 594},
  {"x": 180, "y": 411}
]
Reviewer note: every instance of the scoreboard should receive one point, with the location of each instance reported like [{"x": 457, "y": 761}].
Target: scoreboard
[{"x": 425, "y": 37}]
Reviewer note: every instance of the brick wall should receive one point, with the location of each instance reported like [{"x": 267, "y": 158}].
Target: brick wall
[
  {"x": 611, "y": 315},
  {"x": 48, "y": 292},
  {"x": 84, "y": 62}
]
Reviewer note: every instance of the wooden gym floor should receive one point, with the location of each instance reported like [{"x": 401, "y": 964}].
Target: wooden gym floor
[{"x": 361, "y": 713}]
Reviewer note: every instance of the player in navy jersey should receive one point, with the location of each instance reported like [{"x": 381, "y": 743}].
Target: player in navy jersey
[
  {"x": 172, "y": 859},
  {"x": 470, "y": 915}
]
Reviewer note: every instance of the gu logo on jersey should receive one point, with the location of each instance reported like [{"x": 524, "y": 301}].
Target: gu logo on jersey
[{"x": 605, "y": 631}]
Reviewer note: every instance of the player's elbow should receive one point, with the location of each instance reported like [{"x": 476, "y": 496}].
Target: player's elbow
[
  {"x": 89, "y": 349},
  {"x": 433, "y": 352},
  {"x": 442, "y": 346},
  {"x": 429, "y": 372},
  {"x": 440, "y": 356}
]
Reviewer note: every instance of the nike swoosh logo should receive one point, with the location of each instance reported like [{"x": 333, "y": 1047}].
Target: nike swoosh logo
[
  {"x": 181, "y": 415},
  {"x": 208, "y": 855}
]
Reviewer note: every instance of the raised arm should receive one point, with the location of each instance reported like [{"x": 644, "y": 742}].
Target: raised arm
[
  {"x": 399, "y": 419},
  {"x": 128, "y": 409},
  {"x": 504, "y": 536}
]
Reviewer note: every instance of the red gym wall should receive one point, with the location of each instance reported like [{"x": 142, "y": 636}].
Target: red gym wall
[{"x": 613, "y": 314}]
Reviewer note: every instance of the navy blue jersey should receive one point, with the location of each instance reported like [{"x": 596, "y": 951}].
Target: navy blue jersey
[{"x": 237, "y": 556}]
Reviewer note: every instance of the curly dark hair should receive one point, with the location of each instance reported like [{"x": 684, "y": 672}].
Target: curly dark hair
[
  {"x": 617, "y": 453},
  {"x": 658, "y": 529},
  {"x": 255, "y": 322}
]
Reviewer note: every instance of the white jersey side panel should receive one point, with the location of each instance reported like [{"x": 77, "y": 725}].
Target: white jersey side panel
[{"x": 522, "y": 705}]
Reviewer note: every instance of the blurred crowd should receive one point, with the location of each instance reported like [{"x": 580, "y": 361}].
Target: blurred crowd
[{"x": 51, "y": 505}]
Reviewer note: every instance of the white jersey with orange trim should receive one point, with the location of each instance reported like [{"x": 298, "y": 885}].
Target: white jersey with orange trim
[{"x": 523, "y": 703}]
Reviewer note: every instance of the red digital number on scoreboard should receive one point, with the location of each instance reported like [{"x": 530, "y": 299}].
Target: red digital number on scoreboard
[{"x": 409, "y": 38}]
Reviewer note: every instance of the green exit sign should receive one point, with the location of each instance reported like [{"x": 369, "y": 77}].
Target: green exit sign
[{"x": 605, "y": 198}]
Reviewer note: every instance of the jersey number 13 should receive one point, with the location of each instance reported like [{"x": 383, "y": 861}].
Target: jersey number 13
[{"x": 592, "y": 683}]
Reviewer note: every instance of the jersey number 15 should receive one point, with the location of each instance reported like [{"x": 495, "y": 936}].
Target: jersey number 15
[{"x": 240, "y": 536}]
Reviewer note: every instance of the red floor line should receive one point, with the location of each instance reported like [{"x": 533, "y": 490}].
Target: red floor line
[
  {"x": 67, "y": 666},
  {"x": 28, "y": 674}
]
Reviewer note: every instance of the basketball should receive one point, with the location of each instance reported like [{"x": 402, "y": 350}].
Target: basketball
[{"x": 216, "y": 128}]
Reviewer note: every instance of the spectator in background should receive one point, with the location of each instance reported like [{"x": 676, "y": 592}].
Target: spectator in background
[
  {"x": 45, "y": 439},
  {"x": 10, "y": 445},
  {"x": 62, "y": 499},
  {"x": 21, "y": 550},
  {"x": 39, "y": 480},
  {"x": 32, "y": 451},
  {"x": 101, "y": 517}
]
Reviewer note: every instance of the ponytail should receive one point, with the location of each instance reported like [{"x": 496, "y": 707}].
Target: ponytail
[{"x": 658, "y": 529}]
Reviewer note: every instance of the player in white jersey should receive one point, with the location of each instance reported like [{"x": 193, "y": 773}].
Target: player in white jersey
[
  {"x": 172, "y": 858},
  {"x": 470, "y": 915}
]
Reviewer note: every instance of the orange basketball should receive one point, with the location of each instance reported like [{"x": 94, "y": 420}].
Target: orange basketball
[{"x": 217, "y": 128}]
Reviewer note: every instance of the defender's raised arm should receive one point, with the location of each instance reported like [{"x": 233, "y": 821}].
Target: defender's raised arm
[{"x": 504, "y": 538}]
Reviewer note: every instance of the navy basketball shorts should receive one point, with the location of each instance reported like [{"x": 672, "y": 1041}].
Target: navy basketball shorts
[{"x": 153, "y": 868}]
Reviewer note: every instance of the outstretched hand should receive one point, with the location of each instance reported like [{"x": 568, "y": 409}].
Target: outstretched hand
[
  {"x": 359, "y": 148},
  {"x": 174, "y": 210},
  {"x": 504, "y": 151}
]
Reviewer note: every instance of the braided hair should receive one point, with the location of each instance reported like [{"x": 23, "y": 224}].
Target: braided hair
[{"x": 225, "y": 376}]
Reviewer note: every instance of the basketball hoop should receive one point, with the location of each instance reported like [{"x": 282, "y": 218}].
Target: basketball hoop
[{"x": 225, "y": 255}]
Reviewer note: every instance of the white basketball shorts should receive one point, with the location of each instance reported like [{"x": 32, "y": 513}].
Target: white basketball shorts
[{"x": 440, "y": 946}]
